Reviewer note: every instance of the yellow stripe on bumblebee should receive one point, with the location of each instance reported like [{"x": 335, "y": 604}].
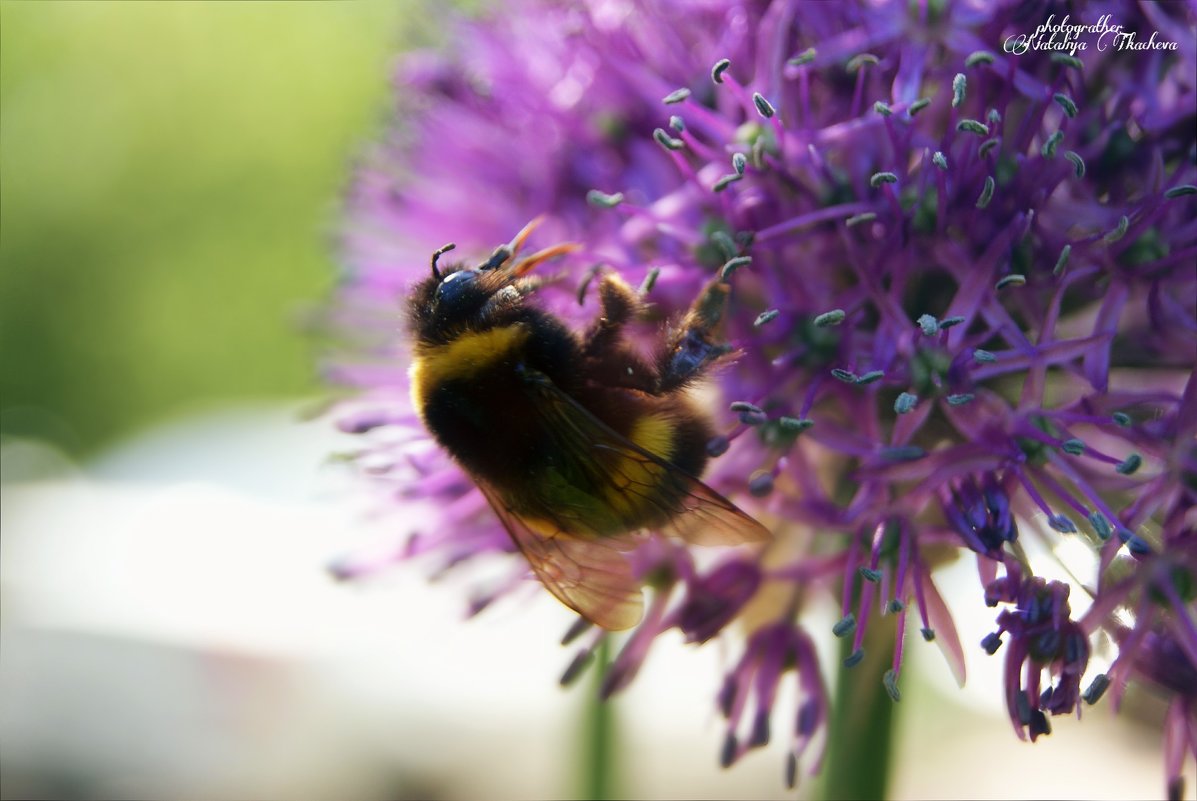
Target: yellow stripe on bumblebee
[{"x": 461, "y": 358}]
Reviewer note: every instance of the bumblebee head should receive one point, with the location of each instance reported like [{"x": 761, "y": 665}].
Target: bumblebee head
[
  {"x": 460, "y": 293},
  {"x": 459, "y": 297}
]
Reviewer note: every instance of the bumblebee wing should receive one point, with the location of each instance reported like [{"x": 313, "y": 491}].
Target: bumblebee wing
[
  {"x": 636, "y": 481},
  {"x": 707, "y": 518},
  {"x": 590, "y": 576}
]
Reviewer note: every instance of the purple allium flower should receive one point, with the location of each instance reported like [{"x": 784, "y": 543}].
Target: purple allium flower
[
  {"x": 963, "y": 291},
  {"x": 770, "y": 652},
  {"x": 1043, "y": 636},
  {"x": 714, "y": 600}
]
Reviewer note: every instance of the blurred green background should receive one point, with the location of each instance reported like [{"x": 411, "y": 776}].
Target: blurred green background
[{"x": 169, "y": 183}]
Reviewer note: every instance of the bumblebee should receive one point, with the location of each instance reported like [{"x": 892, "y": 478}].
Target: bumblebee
[{"x": 577, "y": 441}]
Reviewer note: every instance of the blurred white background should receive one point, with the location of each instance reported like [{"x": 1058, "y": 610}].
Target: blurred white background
[{"x": 168, "y": 629}]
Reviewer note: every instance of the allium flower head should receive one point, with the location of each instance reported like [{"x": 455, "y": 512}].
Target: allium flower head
[{"x": 963, "y": 294}]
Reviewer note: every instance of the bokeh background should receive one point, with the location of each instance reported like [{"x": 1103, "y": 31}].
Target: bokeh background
[
  {"x": 169, "y": 184},
  {"x": 171, "y": 174}
]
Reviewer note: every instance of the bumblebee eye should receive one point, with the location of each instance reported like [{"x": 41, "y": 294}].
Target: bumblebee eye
[{"x": 457, "y": 289}]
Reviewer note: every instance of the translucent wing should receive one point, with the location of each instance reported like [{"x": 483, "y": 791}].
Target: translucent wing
[
  {"x": 590, "y": 576},
  {"x": 707, "y": 518},
  {"x": 637, "y": 488}
]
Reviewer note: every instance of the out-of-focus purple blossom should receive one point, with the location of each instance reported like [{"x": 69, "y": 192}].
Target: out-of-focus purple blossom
[
  {"x": 714, "y": 600},
  {"x": 770, "y": 653},
  {"x": 982, "y": 517},
  {"x": 1042, "y": 636},
  {"x": 963, "y": 292}
]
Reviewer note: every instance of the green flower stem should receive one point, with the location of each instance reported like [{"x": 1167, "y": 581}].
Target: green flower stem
[
  {"x": 598, "y": 778},
  {"x": 861, "y": 728}
]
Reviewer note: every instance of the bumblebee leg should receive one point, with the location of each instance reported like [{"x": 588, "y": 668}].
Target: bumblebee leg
[
  {"x": 610, "y": 360},
  {"x": 504, "y": 253},
  {"x": 526, "y": 264},
  {"x": 618, "y": 303},
  {"x": 531, "y": 284},
  {"x": 691, "y": 347},
  {"x": 524, "y": 233}
]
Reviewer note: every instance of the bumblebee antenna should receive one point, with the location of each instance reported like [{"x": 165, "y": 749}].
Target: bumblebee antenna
[{"x": 436, "y": 254}]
